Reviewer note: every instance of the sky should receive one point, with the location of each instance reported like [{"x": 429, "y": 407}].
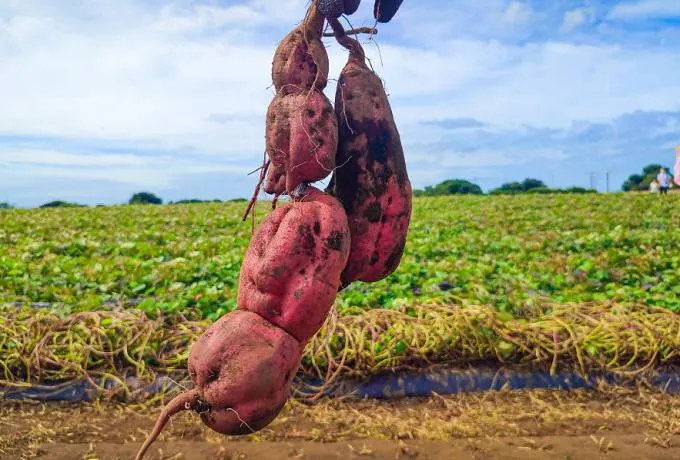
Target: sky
[{"x": 102, "y": 99}]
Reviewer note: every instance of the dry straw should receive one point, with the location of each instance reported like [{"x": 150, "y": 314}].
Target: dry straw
[{"x": 38, "y": 346}]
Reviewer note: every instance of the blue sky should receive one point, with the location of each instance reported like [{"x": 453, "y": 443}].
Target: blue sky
[{"x": 101, "y": 99}]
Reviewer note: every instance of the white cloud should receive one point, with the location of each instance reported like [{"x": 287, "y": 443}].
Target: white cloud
[
  {"x": 517, "y": 13},
  {"x": 671, "y": 126},
  {"x": 135, "y": 82},
  {"x": 645, "y": 9},
  {"x": 26, "y": 166},
  {"x": 130, "y": 80},
  {"x": 553, "y": 83},
  {"x": 193, "y": 76},
  {"x": 51, "y": 157},
  {"x": 572, "y": 19},
  {"x": 490, "y": 158}
]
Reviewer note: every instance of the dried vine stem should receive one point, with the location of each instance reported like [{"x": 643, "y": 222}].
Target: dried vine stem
[
  {"x": 341, "y": 37},
  {"x": 358, "y": 30}
]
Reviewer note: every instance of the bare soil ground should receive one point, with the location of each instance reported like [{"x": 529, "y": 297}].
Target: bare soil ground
[{"x": 606, "y": 424}]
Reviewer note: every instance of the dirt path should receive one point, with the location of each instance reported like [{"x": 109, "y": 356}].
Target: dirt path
[
  {"x": 517, "y": 425},
  {"x": 550, "y": 447}
]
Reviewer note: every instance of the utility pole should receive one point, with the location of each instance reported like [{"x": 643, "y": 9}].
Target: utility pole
[{"x": 607, "y": 181}]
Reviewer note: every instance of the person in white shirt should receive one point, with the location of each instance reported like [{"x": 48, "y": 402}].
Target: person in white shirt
[{"x": 664, "y": 181}]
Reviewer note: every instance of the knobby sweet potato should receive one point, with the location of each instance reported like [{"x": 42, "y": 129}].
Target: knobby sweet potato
[
  {"x": 301, "y": 62},
  {"x": 371, "y": 180},
  {"x": 275, "y": 182},
  {"x": 242, "y": 368},
  {"x": 243, "y": 365},
  {"x": 291, "y": 272},
  {"x": 301, "y": 138}
]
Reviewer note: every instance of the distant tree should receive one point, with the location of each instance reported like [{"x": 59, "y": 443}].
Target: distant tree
[
  {"x": 145, "y": 198},
  {"x": 531, "y": 184},
  {"x": 508, "y": 187},
  {"x": 450, "y": 187},
  {"x": 189, "y": 201},
  {"x": 197, "y": 201},
  {"x": 5, "y": 205},
  {"x": 641, "y": 182},
  {"x": 651, "y": 169},
  {"x": 632, "y": 183},
  {"x": 527, "y": 185},
  {"x": 579, "y": 190},
  {"x": 61, "y": 204},
  {"x": 238, "y": 200},
  {"x": 541, "y": 190}
]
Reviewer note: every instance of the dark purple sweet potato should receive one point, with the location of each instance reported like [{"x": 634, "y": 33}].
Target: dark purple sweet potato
[
  {"x": 371, "y": 180},
  {"x": 291, "y": 272},
  {"x": 331, "y": 8},
  {"x": 301, "y": 138},
  {"x": 301, "y": 62},
  {"x": 350, "y": 6},
  {"x": 242, "y": 368},
  {"x": 384, "y": 10}
]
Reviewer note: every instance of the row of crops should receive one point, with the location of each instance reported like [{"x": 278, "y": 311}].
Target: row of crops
[
  {"x": 510, "y": 252},
  {"x": 556, "y": 282}
]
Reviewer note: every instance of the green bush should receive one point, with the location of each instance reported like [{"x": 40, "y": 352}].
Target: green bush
[
  {"x": 451, "y": 187},
  {"x": 145, "y": 198},
  {"x": 61, "y": 204}
]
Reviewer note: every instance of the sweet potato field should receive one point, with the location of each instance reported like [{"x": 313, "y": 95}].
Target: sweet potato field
[
  {"x": 581, "y": 285},
  {"x": 512, "y": 253}
]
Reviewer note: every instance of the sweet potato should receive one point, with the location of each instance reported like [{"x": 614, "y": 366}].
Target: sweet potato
[
  {"x": 275, "y": 182},
  {"x": 350, "y": 6},
  {"x": 331, "y": 8},
  {"x": 384, "y": 10},
  {"x": 301, "y": 62},
  {"x": 242, "y": 367},
  {"x": 371, "y": 180},
  {"x": 301, "y": 137},
  {"x": 291, "y": 271}
]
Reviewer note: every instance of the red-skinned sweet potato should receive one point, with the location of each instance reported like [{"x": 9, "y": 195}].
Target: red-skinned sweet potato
[
  {"x": 275, "y": 182},
  {"x": 301, "y": 138},
  {"x": 371, "y": 181},
  {"x": 301, "y": 62},
  {"x": 242, "y": 368},
  {"x": 291, "y": 272}
]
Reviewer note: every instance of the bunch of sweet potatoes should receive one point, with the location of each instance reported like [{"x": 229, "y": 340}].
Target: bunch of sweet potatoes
[
  {"x": 306, "y": 251},
  {"x": 302, "y": 129},
  {"x": 243, "y": 364}
]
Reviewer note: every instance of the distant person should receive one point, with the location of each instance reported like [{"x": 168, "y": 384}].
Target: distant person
[
  {"x": 654, "y": 187},
  {"x": 664, "y": 181}
]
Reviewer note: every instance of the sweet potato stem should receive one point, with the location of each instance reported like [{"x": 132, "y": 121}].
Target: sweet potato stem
[
  {"x": 313, "y": 22},
  {"x": 341, "y": 37},
  {"x": 253, "y": 199},
  {"x": 355, "y": 31},
  {"x": 184, "y": 401}
]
